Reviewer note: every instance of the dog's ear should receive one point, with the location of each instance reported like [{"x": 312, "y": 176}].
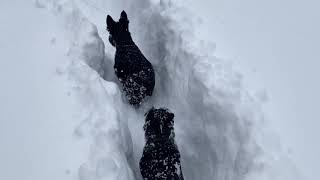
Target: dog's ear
[
  {"x": 110, "y": 22},
  {"x": 170, "y": 116},
  {"x": 124, "y": 16},
  {"x": 124, "y": 20}
]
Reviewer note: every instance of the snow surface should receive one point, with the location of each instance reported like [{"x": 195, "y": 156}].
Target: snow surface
[{"x": 80, "y": 125}]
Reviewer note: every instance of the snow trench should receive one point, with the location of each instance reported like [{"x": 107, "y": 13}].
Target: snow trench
[{"x": 217, "y": 122}]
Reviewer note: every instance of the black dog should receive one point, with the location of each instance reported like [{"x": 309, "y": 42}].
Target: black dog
[
  {"x": 161, "y": 157},
  {"x": 133, "y": 70}
]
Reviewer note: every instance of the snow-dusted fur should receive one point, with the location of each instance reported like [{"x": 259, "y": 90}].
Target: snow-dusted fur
[
  {"x": 133, "y": 70},
  {"x": 161, "y": 157}
]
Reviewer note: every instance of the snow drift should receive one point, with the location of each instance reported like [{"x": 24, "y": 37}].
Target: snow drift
[{"x": 217, "y": 123}]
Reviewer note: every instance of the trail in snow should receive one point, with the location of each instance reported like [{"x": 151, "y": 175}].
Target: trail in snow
[{"x": 216, "y": 121}]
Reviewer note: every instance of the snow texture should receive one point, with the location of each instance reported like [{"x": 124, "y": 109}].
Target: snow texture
[{"x": 218, "y": 125}]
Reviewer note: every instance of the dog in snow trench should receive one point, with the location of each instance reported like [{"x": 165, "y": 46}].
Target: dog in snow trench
[
  {"x": 161, "y": 157},
  {"x": 133, "y": 70}
]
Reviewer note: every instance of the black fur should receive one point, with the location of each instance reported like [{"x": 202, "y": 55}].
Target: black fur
[
  {"x": 133, "y": 70},
  {"x": 161, "y": 157}
]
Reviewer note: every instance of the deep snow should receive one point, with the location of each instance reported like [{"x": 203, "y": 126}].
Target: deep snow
[{"x": 219, "y": 126}]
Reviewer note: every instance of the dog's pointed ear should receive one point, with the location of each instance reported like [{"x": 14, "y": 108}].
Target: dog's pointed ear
[
  {"x": 124, "y": 16},
  {"x": 171, "y": 116},
  {"x": 110, "y": 22}
]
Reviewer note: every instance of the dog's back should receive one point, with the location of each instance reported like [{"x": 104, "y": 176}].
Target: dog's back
[
  {"x": 161, "y": 160},
  {"x": 161, "y": 157},
  {"x": 130, "y": 63}
]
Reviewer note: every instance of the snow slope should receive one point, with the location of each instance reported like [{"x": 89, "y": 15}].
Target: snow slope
[{"x": 75, "y": 123}]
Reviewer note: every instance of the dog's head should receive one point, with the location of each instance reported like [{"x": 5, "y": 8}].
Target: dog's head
[
  {"x": 159, "y": 124},
  {"x": 118, "y": 31}
]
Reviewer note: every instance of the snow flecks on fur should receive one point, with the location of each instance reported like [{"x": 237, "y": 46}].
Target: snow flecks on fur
[{"x": 160, "y": 154}]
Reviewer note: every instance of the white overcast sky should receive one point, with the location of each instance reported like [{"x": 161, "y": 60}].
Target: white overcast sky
[{"x": 275, "y": 44}]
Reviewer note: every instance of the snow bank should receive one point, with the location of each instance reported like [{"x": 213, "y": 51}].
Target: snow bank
[{"x": 217, "y": 122}]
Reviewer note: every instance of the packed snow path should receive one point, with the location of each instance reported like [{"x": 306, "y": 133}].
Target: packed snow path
[{"x": 216, "y": 121}]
